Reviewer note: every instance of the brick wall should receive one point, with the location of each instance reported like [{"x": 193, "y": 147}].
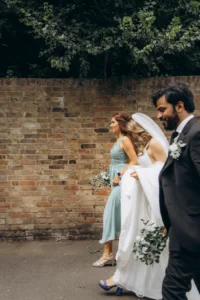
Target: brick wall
[{"x": 54, "y": 134}]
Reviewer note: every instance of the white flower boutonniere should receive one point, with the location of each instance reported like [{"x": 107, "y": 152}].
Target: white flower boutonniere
[{"x": 175, "y": 149}]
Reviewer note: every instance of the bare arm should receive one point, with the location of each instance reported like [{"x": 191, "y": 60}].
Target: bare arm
[
  {"x": 157, "y": 151},
  {"x": 128, "y": 147}
]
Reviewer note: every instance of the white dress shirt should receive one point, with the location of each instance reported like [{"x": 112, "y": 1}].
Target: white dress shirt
[{"x": 180, "y": 127}]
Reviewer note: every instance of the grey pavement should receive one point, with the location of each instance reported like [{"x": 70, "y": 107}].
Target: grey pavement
[{"x": 50, "y": 270}]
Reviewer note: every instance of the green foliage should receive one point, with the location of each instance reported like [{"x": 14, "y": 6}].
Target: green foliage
[
  {"x": 96, "y": 38},
  {"x": 149, "y": 244}
]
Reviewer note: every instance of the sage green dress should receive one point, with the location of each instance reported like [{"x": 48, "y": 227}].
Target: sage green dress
[{"x": 112, "y": 211}]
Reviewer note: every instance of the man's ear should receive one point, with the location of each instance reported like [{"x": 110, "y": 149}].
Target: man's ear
[{"x": 180, "y": 107}]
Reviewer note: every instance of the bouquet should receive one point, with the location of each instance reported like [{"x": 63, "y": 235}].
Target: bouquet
[
  {"x": 101, "y": 179},
  {"x": 149, "y": 245}
]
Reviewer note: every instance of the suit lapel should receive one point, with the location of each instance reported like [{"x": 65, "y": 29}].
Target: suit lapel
[
  {"x": 168, "y": 162},
  {"x": 185, "y": 130}
]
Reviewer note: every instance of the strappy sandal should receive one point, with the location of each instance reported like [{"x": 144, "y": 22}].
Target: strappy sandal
[
  {"x": 105, "y": 260},
  {"x": 107, "y": 288}
]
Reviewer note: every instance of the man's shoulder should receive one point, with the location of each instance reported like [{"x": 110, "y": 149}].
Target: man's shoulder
[
  {"x": 197, "y": 123},
  {"x": 195, "y": 128}
]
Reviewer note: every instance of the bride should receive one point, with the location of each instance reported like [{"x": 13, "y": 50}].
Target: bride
[{"x": 140, "y": 200}]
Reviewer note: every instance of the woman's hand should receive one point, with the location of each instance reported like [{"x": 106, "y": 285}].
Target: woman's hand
[
  {"x": 164, "y": 232},
  {"x": 134, "y": 175},
  {"x": 116, "y": 180}
]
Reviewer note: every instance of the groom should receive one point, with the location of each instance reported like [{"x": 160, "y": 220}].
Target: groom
[{"x": 180, "y": 190}]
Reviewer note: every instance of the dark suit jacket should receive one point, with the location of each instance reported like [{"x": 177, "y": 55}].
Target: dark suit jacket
[{"x": 180, "y": 191}]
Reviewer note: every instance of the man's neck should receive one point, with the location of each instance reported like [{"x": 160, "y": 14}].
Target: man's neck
[{"x": 183, "y": 117}]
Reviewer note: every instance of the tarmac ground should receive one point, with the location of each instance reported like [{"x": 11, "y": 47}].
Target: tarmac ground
[{"x": 50, "y": 270}]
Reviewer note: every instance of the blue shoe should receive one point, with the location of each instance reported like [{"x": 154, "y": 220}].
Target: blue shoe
[
  {"x": 105, "y": 287},
  {"x": 119, "y": 291}
]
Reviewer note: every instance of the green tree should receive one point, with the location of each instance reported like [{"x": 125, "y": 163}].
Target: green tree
[
  {"x": 19, "y": 51},
  {"x": 96, "y": 38}
]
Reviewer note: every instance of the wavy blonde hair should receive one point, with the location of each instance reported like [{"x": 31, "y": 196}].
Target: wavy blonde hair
[{"x": 141, "y": 137}]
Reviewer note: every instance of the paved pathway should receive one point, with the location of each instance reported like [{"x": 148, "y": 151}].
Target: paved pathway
[{"x": 49, "y": 270}]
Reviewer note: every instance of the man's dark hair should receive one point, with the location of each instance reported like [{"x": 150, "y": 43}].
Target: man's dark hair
[{"x": 174, "y": 93}]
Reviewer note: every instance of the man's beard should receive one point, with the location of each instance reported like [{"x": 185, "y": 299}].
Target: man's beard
[{"x": 171, "y": 122}]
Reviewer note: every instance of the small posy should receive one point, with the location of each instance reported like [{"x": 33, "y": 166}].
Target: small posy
[
  {"x": 101, "y": 179},
  {"x": 175, "y": 149}
]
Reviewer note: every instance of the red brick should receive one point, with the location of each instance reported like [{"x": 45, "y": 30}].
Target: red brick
[
  {"x": 102, "y": 192},
  {"x": 27, "y": 182},
  {"x": 44, "y": 204},
  {"x": 21, "y": 215},
  {"x": 29, "y": 188},
  {"x": 57, "y": 204},
  {"x": 56, "y": 136},
  {"x": 43, "y": 182},
  {"x": 5, "y": 183}
]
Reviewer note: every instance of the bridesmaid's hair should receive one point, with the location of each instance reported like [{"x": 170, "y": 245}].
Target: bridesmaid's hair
[{"x": 124, "y": 119}]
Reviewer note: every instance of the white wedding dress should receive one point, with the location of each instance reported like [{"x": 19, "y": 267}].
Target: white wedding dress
[{"x": 139, "y": 200}]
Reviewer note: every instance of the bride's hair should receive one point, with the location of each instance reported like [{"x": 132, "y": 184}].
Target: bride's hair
[
  {"x": 138, "y": 136},
  {"x": 141, "y": 137}
]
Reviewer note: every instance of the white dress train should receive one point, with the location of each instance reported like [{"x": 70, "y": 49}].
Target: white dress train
[{"x": 139, "y": 200}]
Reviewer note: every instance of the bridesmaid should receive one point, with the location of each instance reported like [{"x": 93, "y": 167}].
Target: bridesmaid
[{"x": 123, "y": 154}]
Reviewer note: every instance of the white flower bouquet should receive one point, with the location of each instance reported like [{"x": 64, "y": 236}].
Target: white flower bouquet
[
  {"x": 149, "y": 245},
  {"x": 101, "y": 179}
]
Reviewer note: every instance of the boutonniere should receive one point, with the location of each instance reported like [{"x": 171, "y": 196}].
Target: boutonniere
[{"x": 175, "y": 149}]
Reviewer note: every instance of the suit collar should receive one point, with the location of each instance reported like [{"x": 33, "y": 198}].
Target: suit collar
[
  {"x": 181, "y": 126},
  {"x": 186, "y": 129},
  {"x": 188, "y": 125}
]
